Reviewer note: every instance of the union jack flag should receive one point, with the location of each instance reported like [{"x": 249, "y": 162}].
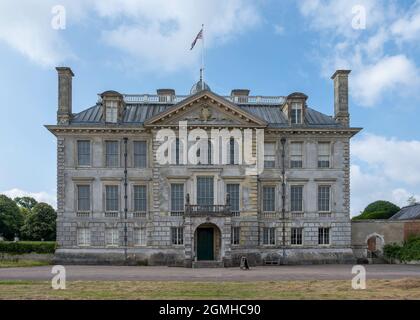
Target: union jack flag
[{"x": 199, "y": 36}]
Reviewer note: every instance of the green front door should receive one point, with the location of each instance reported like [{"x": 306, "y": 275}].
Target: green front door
[{"x": 205, "y": 244}]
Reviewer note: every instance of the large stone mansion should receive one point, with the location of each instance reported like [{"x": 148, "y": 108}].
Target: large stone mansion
[{"x": 204, "y": 205}]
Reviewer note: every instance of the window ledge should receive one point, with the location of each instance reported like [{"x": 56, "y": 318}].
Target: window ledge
[{"x": 111, "y": 178}]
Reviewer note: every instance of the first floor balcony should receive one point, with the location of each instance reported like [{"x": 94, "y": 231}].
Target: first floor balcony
[{"x": 207, "y": 210}]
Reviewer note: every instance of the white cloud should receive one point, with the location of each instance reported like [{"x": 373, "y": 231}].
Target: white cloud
[
  {"x": 397, "y": 159},
  {"x": 375, "y": 72},
  {"x": 159, "y": 33},
  {"x": 400, "y": 196},
  {"x": 154, "y": 34},
  {"x": 41, "y": 196},
  {"x": 337, "y": 15},
  {"x": 383, "y": 169},
  {"x": 25, "y": 26},
  {"x": 387, "y": 74},
  {"x": 407, "y": 28}
]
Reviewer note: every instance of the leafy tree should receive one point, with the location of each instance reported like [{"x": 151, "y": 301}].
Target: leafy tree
[
  {"x": 378, "y": 210},
  {"x": 40, "y": 223},
  {"x": 11, "y": 218},
  {"x": 25, "y": 211},
  {"x": 25, "y": 202}
]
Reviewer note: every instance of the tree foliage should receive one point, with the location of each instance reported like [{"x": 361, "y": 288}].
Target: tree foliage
[
  {"x": 378, "y": 210},
  {"x": 408, "y": 251},
  {"x": 25, "y": 202},
  {"x": 11, "y": 218},
  {"x": 40, "y": 223}
]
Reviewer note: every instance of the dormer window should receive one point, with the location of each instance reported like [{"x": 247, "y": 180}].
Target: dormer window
[
  {"x": 112, "y": 106},
  {"x": 296, "y": 113},
  {"x": 111, "y": 111}
]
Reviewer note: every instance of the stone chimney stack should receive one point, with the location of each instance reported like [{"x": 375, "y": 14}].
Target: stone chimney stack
[
  {"x": 65, "y": 77},
  {"x": 341, "y": 96}
]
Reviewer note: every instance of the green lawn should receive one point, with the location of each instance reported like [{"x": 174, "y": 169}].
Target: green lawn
[
  {"x": 318, "y": 289},
  {"x": 22, "y": 263}
]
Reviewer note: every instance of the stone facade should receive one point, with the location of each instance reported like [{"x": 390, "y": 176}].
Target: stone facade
[{"x": 82, "y": 235}]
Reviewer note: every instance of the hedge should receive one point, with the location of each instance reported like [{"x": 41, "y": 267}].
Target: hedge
[
  {"x": 409, "y": 251},
  {"x": 23, "y": 247}
]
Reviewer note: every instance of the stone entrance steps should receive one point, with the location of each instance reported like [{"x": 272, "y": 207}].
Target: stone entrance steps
[{"x": 207, "y": 264}]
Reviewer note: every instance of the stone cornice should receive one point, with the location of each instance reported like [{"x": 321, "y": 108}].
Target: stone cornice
[
  {"x": 72, "y": 129},
  {"x": 314, "y": 131},
  {"x": 57, "y": 129}
]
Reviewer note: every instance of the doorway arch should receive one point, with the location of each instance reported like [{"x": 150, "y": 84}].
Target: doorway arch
[
  {"x": 375, "y": 243},
  {"x": 207, "y": 242}
]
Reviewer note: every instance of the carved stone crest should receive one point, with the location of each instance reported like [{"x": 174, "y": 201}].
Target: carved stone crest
[{"x": 205, "y": 113}]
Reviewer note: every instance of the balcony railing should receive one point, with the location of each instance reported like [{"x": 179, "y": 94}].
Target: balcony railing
[
  {"x": 177, "y": 213},
  {"x": 139, "y": 214},
  {"x": 216, "y": 209},
  {"x": 152, "y": 99},
  {"x": 111, "y": 214},
  {"x": 83, "y": 214}
]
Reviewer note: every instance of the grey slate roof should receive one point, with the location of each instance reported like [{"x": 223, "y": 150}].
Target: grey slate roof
[
  {"x": 138, "y": 113},
  {"x": 408, "y": 213}
]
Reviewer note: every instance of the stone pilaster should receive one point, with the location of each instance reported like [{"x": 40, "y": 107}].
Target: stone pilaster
[
  {"x": 60, "y": 176},
  {"x": 60, "y": 234},
  {"x": 346, "y": 169}
]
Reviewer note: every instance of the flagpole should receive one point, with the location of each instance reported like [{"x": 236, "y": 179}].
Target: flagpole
[{"x": 202, "y": 58}]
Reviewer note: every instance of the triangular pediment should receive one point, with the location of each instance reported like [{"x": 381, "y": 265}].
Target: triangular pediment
[{"x": 206, "y": 109}]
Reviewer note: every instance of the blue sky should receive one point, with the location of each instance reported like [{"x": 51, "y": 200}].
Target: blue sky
[{"x": 270, "y": 47}]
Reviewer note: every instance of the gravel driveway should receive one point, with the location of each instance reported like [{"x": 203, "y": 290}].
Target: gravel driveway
[{"x": 309, "y": 272}]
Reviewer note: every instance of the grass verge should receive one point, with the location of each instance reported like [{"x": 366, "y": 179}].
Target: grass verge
[
  {"x": 316, "y": 289},
  {"x": 22, "y": 263}
]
